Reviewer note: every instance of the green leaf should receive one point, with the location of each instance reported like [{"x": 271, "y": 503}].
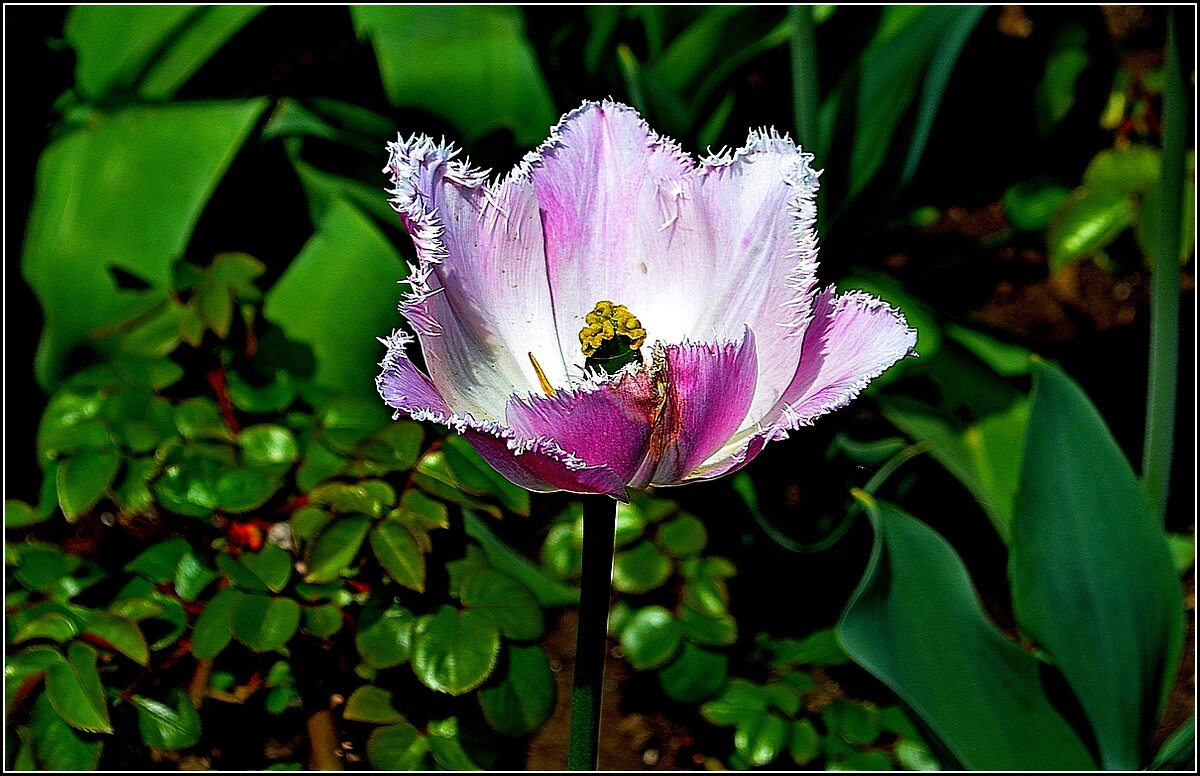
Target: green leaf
[
  {"x": 521, "y": 702},
  {"x": 683, "y": 536},
  {"x": 806, "y": 742},
  {"x": 651, "y": 637},
  {"x": 56, "y": 746},
  {"x": 818, "y": 649},
  {"x": 854, "y": 722},
  {"x": 121, "y": 191},
  {"x": 263, "y": 623},
  {"x": 916, "y": 623},
  {"x": 114, "y": 44},
  {"x": 268, "y": 447},
  {"x": 385, "y": 635},
  {"x": 166, "y": 726},
  {"x": 372, "y": 704},
  {"x": 1183, "y": 551},
  {"x": 193, "y": 576},
  {"x": 760, "y": 738},
  {"x": 506, "y": 602},
  {"x": 1092, "y": 576},
  {"x": 319, "y": 463},
  {"x": 398, "y": 445},
  {"x": 549, "y": 592},
  {"x": 1003, "y": 357},
  {"x": 84, "y": 478},
  {"x": 42, "y": 567},
  {"x": 1087, "y": 222},
  {"x": 23, "y": 673},
  {"x": 323, "y": 621},
  {"x": 1151, "y": 210},
  {"x": 120, "y": 634},
  {"x": 336, "y": 547},
  {"x": 473, "y": 66},
  {"x": 695, "y": 675},
  {"x": 242, "y": 490},
  {"x": 214, "y": 626},
  {"x": 1131, "y": 170},
  {"x": 55, "y": 626},
  {"x": 18, "y": 514},
  {"x": 276, "y": 396},
  {"x": 741, "y": 699},
  {"x": 1030, "y": 205},
  {"x": 454, "y": 651},
  {"x": 397, "y": 748},
  {"x": 400, "y": 554},
  {"x": 74, "y": 689},
  {"x": 640, "y": 569},
  {"x": 447, "y": 748},
  {"x": 1056, "y": 92},
  {"x": 720, "y": 631},
  {"x": 477, "y": 476},
  {"x": 348, "y": 265},
  {"x": 239, "y": 574},
  {"x": 271, "y": 564},
  {"x": 1178, "y": 753},
  {"x": 200, "y": 418}
]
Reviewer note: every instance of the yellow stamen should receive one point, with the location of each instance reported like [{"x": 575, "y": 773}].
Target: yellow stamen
[
  {"x": 547, "y": 388},
  {"x": 605, "y": 322}
]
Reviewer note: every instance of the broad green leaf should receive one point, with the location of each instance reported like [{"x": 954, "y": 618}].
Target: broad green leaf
[
  {"x": 916, "y": 623},
  {"x": 506, "y": 602},
  {"x": 398, "y": 445},
  {"x": 548, "y": 591},
  {"x": 242, "y": 490},
  {"x": 651, "y": 637},
  {"x": 23, "y": 671},
  {"x": 397, "y": 748},
  {"x": 239, "y": 574},
  {"x": 168, "y": 726},
  {"x": 473, "y": 66},
  {"x": 55, "y": 626},
  {"x": 268, "y": 447},
  {"x": 337, "y": 296},
  {"x": 42, "y": 567},
  {"x": 336, "y": 547},
  {"x": 200, "y": 418},
  {"x": 400, "y": 554},
  {"x": 433, "y": 476},
  {"x": 192, "y": 46},
  {"x": 324, "y": 190},
  {"x": 719, "y": 631},
  {"x": 214, "y": 626},
  {"x": 271, "y": 564},
  {"x": 1003, "y": 357},
  {"x": 56, "y": 746},
  {"x": 264, "y": 623},
  {"x": 115, "y": 45},
  {"x": 84, "y": 478},
  {"x": 121, "y": 191},
  {"x": 521, "y": 703},
  {"x": 1151, "y": 210},
  {"x": 121, "y": 634},
  {"x": 372, "y": 704},
  {"x": 695, "y": 675},
  {"x": 74, "y": 689},
  {"x": 385, "y": 634},
  {"x": 18, "y": 514},
  {"x": 454, "y": 650},
  {"x": 1092, "y": 576},
  {"x": 640, "y": 568},
  {"x": 1132, "y": 170},
  {"x": 1086, "y": 222}
]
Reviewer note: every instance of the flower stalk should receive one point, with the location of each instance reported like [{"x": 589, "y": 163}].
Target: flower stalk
[{"x": 599, "y": 535}]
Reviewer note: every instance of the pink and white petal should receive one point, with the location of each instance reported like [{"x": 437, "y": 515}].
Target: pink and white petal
[
  {"x": 709, "y": 388},
  {"x": 611, "y": 192},
  {"x": 544, "y": 467},
  {"x": 404, "y": 387},
  {"x": 853, "y": 338},
  {"x": 608, "y": 424},
  {"x": 480, "y": 301},
  {"x": 759, "y": 205}
]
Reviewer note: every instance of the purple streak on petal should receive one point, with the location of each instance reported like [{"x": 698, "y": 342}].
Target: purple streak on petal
[
  {"x": 853, "y": 338},
  {"x": 709, "y": 390},
  {"x": 543, "y": 469},
  {"x": 609, "y": 425}
]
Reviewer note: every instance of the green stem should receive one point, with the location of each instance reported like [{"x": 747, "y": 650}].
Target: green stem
[
  {"x": 806, "y": 88},
  {"x": 591, "y": 641},
  {"x": 1164, "y": 287}
]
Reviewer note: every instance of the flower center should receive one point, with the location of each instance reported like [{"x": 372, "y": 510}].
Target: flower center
[{"x": 611, "y": 337}]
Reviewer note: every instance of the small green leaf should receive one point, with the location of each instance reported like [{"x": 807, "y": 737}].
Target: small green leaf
[
  {"x": 323, "y": 621},
  {"x": 75, "y": 691},
  {"x": 1030, "y": 205},
  {"x": 397, "y": 748},
  {"x": 56, "y": 746},
  {"x": 242, "y": 490},
  {"x": 400, "y": 554},
  {"x": 193, "y": 576},
  {"x": 42, "y": 567},
  {"x": 651, "y": 638},
  {"x": 214, "y": 626},
  {"x": 854, "y": 722},
  {"x": 200, "y": 418},
  {"x": 276, "y": 396},
  {"x": 1132, "y": 170},
  {"x": 398, "y": 445},
  {"x": 263, "y": 623},
  {"x": 506, "y": 602},
  {"x": 237, "y": 573},
  {"x": 271, "y": 564},
  {"x": 478, "y": 477},
  {"x": 18, "y": 514},
  {"x": 372, "y": 704},
  {"x": 818, "y": 649},
  {"x": 454, "y": 651},
  {"x": 424, "y": 511},
  {"x": 521, "y": 703},
  {"x": 55, "y": 626},
  {"x": 84, "y": 478},
  {"x": 164, "y": 726},
  {"x": 806, "y": 742},
  {"x": 760, "y": 738},
  {"x": 446, "y": 748},
  {"x": 641, "y": 568},
  {"x": 121, "y": 634},
  {"x": 268, "y": 447},
  {"x": 336, "y": 547},
  {"x": 682, "y": 536},
  {"x": 549, "y": 592},
  {"x": 695, "y": 675},
  {"x": 1087, "y": 222},
  {"x": 720, "y": 631},
  {"x": 385, "y": 635}
]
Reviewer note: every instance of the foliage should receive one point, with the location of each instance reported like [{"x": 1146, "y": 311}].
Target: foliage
[{"x": 231, "y": 550}]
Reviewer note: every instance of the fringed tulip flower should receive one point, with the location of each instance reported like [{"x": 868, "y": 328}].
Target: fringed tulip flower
[{"x": 612, "y": 315}]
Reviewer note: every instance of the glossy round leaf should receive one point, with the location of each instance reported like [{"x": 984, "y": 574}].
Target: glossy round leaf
[
  {"x": 400, "y": 554},
  {"x": 84, "y": 478},
  {"x": 682, "y": 536},
  {"x": 271, "y": 564},
  {"x": 1088, "y": 221},
  {"x": 806, "y": 742},
  {"x": 760, "y": 738},
  {"x": 506, "y": 602},
  {"x": 385, "y": 635},
  {"x": 372, "y": 704},
  {"x": 193, "y": 576},
  {"x": 323, "y": 621},
  {"x": 695, "y": 675},
  {"x": 263, "y": 623},
  {"x": 241, "y": 490},
  {"x": 268, "y": 447},
  {"x": 641, "y": 568},
  {"x": 18, "y": 514},
  {"x": 397, "y": 748},
  {"x": 454, "y": 650},
  {"x": 521, "y": 703},
  {"x": 651, "y": 637}
]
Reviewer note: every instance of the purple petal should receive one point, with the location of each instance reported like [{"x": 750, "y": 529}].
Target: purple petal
[{"x": 709, "y": 390}]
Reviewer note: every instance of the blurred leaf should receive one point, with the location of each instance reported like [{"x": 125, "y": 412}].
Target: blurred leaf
[
  {"x": 682, "y": 536},
  {"x": 271, "y": 564},
  {"x": 1092, "y": 576},
  {"x": 384, "y": 638},
  {"x": 200, "y": 418},
  {"x": 548, "y": 592},
  {"x": 916, "y": 623},
  {"x": 399, "y": 554},
  {"x": 348, "y": 265},
  {"x": 1005, "y": 358},
  {"x": 454, "y": 651},
  {"x": 806, "y": 742},
  {"x": 521, "y": 702},
  {"x": 241, "y": 490},
  {"x": 214, "y": 626},
  {"x": 695, "y": 675},
  {"x": 1130, "y": 170},
  {"x": 164, "y": 726},
  {"x": 41, "y": 567},
  {"x": 58, "y": 747},
  {"x": 472, "y": 65},
  {"x": 323, "y": 621},
  {"x": 240, "y": 574},
  {"x": 23, "y": 672},
  {"x": 433, "y": 476},
  {"x": 84, "y": 478},
  {"x": 398, "y": 445},
  {"x": 121, "y": 634},
  {"x": 1030, "y": 205},
  {"x": 478, "y": 477},
  {"x": 506, "y": 602},
  {"x": 852, "y": 721},
  {"x": 18, "y": 514},
  {"x": 263, "y": 623},
  {"x": 397, "y": 748},
  {"x": 193, "y": 576},
  {"x": 720, "y": 630},
  {"x": 121, "y": 191},
  {"x": 268, "y": 447},
  {"x": 276, "y": 396},
  {"x": 651, "y": 637},
  {"x": 1150, "y": 212},
  {"x": 817, "y": 649},
  {"x": 336, "y": 547},
  {"x": 641, "y": 568},
  {"x": 446, "y": 748},
  {"x": 1183, "y": 551},
  {"x": 325, "y": 190},
  {"x": 740, "y": 700},
  {"x": 74, "y": 689},
  {"x": 1056, "y": 92},
  {"x": 915, "y": 756},
  {"x": 54, "y": 626},
  {"x": 760, "y": 738},
  {"x": 1178, "y": 753},
  {"x": 372, "y": 704},
  {"x": 1086, "y": 222}
]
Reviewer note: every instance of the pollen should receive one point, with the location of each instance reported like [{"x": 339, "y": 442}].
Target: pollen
[{"x": 606, "y": 322}]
